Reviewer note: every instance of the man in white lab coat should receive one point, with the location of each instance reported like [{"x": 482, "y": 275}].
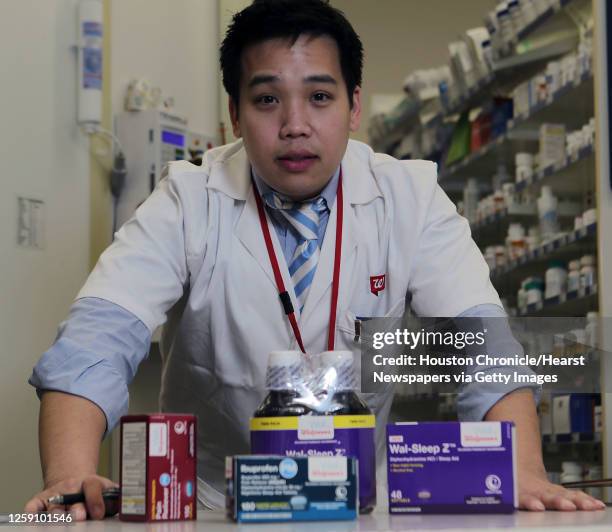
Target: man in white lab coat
[{"x": 209, "y": 252}]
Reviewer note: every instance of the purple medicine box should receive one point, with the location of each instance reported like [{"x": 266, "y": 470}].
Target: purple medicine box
[{"x": 451, "y": 467}]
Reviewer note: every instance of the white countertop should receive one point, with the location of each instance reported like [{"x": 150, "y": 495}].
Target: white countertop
[{"x": 377, "y": 522}]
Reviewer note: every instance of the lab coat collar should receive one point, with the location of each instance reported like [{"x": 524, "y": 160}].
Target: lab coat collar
[{"x": 230, "y": 173}]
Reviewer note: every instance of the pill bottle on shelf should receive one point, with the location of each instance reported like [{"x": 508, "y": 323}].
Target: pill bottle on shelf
[
  {"x": 524, "y": 166},
  {"x": 555, "y": 279},
  {"x": 515, "y": 241},
  {"x": 571, "y": 472},
  {"x": 471, "y": 194},
  {"x": 534, "y": 291},
  {"x": 573, "y": 276},
  {"x": 547, "y": 211},
  {"x": 592, "y": 329},
  {"x": 587, "y": 272}
]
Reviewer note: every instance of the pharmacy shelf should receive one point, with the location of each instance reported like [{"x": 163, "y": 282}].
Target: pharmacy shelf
[
  {"x": 567, "y": 177},
  {"x": 565, "y": 247},
  {"x": 482, "y": 163},
  {"x": 577, "y": 95},
  {"x": 512, "y": 69},
  {"x": 387, "y": 132},
  {"x": 384, "y": 131},
  {"x": 575, "y": 438},
  {"x": 493, "y": 229},
  {"x": 543, "y": 19},
  {"x": 572, "y": 304},
  {"x": 473, "y": 96},
  {"x": 522, "y": 133},
  {"x": 582, "y": 447},
  {"x": 511, "y": 65}
]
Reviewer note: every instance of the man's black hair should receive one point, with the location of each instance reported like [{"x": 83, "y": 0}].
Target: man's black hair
[{"x": 270, "y": 19}]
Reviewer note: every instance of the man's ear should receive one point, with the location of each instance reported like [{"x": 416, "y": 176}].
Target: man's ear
[
  {"x": 233, "y": 111},
  {"x": 356, "y": 110}
]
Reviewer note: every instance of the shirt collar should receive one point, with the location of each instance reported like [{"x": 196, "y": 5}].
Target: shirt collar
[
  {"x": 328, "y": 193},
  {"x": 230, "y": 172}
]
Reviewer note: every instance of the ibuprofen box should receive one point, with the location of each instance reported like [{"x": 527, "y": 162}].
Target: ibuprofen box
[
  {"x": 264, "y": 488},
  {"x": 158, "y": 467},
  {"x": 451, "y": 467}
]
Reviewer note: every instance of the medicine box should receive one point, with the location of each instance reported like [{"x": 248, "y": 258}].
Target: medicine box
[
  {"x": 263, "y": 488},
  {"x": 158, "y": 467},
  {"x": 573, "y": 413},
  {"x": 451, "y": 467},
  {"x": 552, "y": 144}
]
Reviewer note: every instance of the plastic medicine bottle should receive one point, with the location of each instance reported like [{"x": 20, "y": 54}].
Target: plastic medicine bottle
[
  {"x": 587, "y": 272},
  {"x": 471, "y": 194},
  {"x": 592, "y": 329},
  {"x": 547, "y": 211},
  {"x": 282, "y": 378},
  {"x": 345, "y": 399},
  {"x": 555, "y": 279},
  {"x": 573, "y": 277}
]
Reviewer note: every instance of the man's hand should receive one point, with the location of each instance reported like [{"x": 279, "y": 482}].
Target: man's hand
[
  {"x": 537, "y": 494},
  {"x": 70, "y": 431},
  {"x": 91, "y": 486}
]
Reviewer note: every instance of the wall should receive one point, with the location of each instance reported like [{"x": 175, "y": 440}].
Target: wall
[
  {"x": 173, "y": 44},
  {"x": 227, "y": 8},
  {"x": 399, "y": 36},
  {"x": 44, "y": 157},
  {"x": 175, "y": 49},
  {"x": 100, "y": 199}
]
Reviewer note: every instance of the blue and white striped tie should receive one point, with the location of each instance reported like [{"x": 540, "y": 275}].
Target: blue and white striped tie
[{"x": 304, "y": 217}]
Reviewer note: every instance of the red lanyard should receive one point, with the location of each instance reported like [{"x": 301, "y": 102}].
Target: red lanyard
[{"x": 282, "y": 292}]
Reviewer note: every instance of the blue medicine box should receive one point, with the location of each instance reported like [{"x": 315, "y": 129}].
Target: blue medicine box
[
  {"x": 263, "y": 488},
  {"x": 573, "y": 414}
]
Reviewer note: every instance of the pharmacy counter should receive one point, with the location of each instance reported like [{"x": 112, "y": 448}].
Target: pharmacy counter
[{"x": 378, "y": 522}]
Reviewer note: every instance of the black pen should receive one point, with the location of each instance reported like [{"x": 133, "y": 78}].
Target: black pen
[{"x": 111, "y": 494}]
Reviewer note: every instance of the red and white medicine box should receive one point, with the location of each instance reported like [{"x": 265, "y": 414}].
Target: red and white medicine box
[{"x": 158, "y": 467}]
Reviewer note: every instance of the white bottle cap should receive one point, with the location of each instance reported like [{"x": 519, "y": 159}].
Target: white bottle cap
[
  {"x": 546, "y": 191},
  {"x": 332, "y": 358},
  {"x": 571, "y": 468},
  {"x": 284, "y": 370},
  {"x": 587, "y": 260},
  {"x": 342, "y": 362},
  {"x": 283, "y": 358},
  {"x": 516, "y": 231},
  {"x": 523, "y": 159}
]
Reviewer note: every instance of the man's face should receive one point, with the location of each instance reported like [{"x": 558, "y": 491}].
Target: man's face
[{"x": 294, "y": 115}]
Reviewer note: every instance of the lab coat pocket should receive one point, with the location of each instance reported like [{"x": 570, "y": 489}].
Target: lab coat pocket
[
  {"x": 351, "y": 322},
  {"x": 350, "y": 336}
]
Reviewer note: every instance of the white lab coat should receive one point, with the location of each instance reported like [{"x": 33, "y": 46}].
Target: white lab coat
[{"x": 193, "y": 257}]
